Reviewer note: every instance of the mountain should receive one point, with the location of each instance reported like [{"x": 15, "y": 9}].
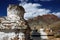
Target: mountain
[
  {"x": 55, "y": 26},
  {"x": 42, "y": 21}
]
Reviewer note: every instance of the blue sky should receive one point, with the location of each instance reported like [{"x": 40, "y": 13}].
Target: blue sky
[{"x": 53, "y": 6}]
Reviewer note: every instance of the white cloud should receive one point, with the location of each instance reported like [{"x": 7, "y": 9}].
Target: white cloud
[
  {"x": 23, "y": 0},
  {"x": 57, "y": 14},
  {"x": 32, "y": 10}
]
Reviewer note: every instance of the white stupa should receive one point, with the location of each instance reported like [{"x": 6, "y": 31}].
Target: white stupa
[
  {"x": 43, "y": 34},
  {"x": 13, "y": 14}
]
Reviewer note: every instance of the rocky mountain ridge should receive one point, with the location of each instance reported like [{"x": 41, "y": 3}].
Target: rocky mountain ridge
[{"x": 44, "y": 21}]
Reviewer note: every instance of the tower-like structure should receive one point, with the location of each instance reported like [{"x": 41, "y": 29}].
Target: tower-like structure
[{"x": 15, "y": 14}]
